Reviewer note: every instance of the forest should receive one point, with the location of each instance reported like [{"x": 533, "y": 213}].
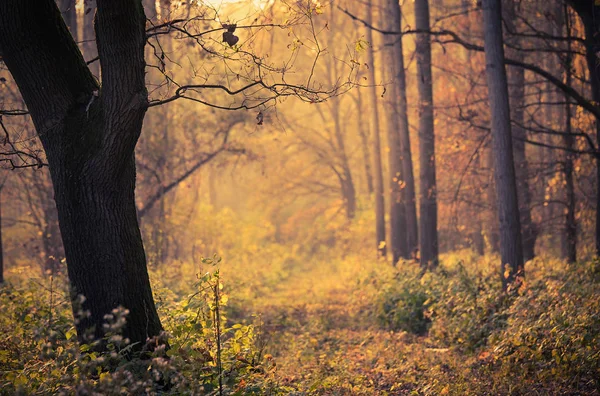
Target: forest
[{"x": 299, "y": 197}]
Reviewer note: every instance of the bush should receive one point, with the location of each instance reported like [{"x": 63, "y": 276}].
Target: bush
[
  {"x": 553, "y": 332},
  {"x": 401, "y": 304},
  {"x": 465, "y": 308},
  {"x": 40, "y": 353}
]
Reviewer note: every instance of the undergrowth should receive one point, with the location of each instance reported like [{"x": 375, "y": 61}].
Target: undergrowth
[{"x": 321, "y": 324}]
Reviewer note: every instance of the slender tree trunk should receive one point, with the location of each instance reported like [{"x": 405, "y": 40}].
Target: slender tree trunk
[
  {"x": 345, "y": 176},
  {"x": 1, "y": 244},
  {"x": 410, "y": 201},
  {"x": 428, "y": 241},
  {"x": 511, "y": 248},
  {"x": 397, "y": 185},
  {"x": 590, "y": 15},
  {"x": 377, "y": 168},
  {"x": 363, "y": 131},
  {"x": 570, "y": 222},
  {"x": 89, "y": 143},
  {"x": 516, "y": 82}
]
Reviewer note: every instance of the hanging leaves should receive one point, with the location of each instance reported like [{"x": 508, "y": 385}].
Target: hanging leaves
[{"x": 228, "y": 36}]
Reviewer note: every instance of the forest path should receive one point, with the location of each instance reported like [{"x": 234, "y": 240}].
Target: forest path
[{"x": 320, "y": 329}]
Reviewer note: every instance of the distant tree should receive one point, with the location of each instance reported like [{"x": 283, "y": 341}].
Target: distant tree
[
  {"x": 428, "y": 240},
  {"x": 511, "y": 248},
  {"x": 1, "y": 244},
  {"x": 589, "y": 14},
  {"x": 376, "y": 128},
  {"x": 516, "y": 82},
  {"x": 403, "y": 213}
]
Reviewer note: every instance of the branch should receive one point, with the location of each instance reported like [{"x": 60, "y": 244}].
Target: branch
[
  {"x": 164, "y": 190},
  {"x": 455, "y": 39}
]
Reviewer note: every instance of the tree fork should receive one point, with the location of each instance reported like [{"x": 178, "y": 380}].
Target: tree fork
[{"x": 89, "y": 139}]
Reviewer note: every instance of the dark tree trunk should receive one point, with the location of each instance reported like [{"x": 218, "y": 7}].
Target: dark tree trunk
[
  {"x": 491, "y": 224},
  {"x": 1, "y": 245},
  {"x": 89, "y": 142},
  {"x": 428, "y": 241},
  {"x": 511, "y": 248},
  {"x": 590, "y": 15},
  {"x": 516, "y": 81},
  {"x": 397, "y": 185},
  {"x": 410, "y": 201},
  {"x": 377, "y": 166},
  {"x": 569, "y": 142}
]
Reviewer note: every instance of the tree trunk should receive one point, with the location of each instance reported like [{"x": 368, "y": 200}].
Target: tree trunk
[
  {"x": 89, "y": 142},
  {"x": 511, "y": 248},
  {"x": 345, "y": 176},
  {"x": 1, "y": 245},
  {"x": 364, "y": 140},
  {"x": 516, "y": 82},
  {"x": 590, "y": 15},
  {"x": 569, "y": 142},
  {"x": 390, "y": 55},
  {"x": 410, "y": 201},
  {"x": 377, "y": 167},
  {"x": 428, "y": 242}
]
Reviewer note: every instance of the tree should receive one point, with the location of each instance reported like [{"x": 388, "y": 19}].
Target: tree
[
  {"x": 89, "y": 133},
  {"x": 377, "y": 167},
  {"x": 511, "y": 248},
  {"x": 403, "y": 214},
  {"x": 89, "y": 136},
  {"x": 589, "y": 12},
  {"x": 392, "y": 64},
  {"x": 516, "y": 82},
  {"x": 1, "y": 245},
  {"x": 428, "y": 242}
]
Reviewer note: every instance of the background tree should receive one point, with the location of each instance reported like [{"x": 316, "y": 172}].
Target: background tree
[
  {"x": 511, "y": 248},
  {"x": 428, "y": 243}
]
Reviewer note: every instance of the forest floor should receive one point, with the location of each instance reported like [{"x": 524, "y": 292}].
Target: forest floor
[{"x": 318, "y": 327}]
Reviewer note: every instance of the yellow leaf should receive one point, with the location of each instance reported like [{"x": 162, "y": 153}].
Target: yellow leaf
[{"x": 104, "y": 376}]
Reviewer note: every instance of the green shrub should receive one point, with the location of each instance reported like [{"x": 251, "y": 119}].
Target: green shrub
[
  {"x": 465, "y": 308},
  {"x": 401, "y": 302}
]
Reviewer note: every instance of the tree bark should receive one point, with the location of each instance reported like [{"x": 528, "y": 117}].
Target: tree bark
[
  {"x": 410, "y": 201},
  {"x": 589, "y": 13},
  {"x": 569, "y": 142},
  {"x": 428, "y": 241},
  {"x": 377, "y": 167},
  {"x": 511, "y": 248},
  {"x": 516, "y": 82},
  {"x": 364, "y": 139},
  {"x": 397, "y": 184},
  {"x": 89, "y": 140},
  {"x": 1, "y": 244}
]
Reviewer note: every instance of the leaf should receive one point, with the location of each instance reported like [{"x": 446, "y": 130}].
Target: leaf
[
  {"x": 361, "y": 45},
  {"x": 230, "y": 38},
  {"x": 71, "y": 333}
]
